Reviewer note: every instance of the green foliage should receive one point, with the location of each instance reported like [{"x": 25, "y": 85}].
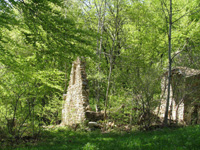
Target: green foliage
[
  {"x": 90, "y": 146},
  {"x": 37, "y": 44},
  {"x": 125, "y": 45}
]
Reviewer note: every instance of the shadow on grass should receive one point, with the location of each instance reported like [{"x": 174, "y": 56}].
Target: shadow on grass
[{"x": 162, "y": 139}]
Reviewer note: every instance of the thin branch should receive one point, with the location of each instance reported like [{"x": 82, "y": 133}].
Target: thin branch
[
  {"x": 185, "y": 15},
  {"x": 179, "y": 51},
  {"x": 85, "y": 4},
  {"x": 165, "y": 7}
]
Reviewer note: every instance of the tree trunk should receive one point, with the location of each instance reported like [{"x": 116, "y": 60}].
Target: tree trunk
[
  {"x": 108, "y": 88},
  {"x": 165, "y": 123},
  {"x": 101, "y": 18},
  {"x": 65, "y": 88}
]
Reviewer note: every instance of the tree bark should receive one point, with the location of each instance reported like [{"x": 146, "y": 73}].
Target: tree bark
[
  {"x": 165, "y": 123},
  {"x": 101, "y": 18}
]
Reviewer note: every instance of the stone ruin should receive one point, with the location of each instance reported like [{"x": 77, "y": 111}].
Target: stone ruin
[
  {"x": 76, "y": 107},
  {"x": 184, "y": 105}
]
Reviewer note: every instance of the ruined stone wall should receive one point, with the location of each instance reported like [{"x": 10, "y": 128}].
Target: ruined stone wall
[
  {"x": 76, "y": 100},
  {"x": 192, "y": 100},
  {"x": 184, "y": 104},
  {"x": 176, "y": 105},
  {"x": 164, "y": 87}
]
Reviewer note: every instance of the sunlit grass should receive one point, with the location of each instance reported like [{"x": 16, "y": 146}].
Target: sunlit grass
[{"x": 161, "y": 139}]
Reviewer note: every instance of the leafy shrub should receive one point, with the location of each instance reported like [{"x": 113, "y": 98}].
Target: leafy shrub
[{"x": 90, "y": 146}]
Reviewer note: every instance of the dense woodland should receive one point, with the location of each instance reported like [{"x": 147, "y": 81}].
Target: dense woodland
[{"x": 127, "y": 44}]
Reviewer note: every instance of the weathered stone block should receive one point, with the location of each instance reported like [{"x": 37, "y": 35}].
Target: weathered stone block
[{"x": 94, "y": 116}]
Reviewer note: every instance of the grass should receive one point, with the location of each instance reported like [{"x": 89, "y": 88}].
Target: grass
[{"x": 187, "y": 138}]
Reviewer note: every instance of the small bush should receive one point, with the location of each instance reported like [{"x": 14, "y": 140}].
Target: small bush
[{"x": 90, "y": 146}]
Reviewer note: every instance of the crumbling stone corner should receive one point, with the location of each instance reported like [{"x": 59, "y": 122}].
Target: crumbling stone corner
[{"x": 77, "y": 98}]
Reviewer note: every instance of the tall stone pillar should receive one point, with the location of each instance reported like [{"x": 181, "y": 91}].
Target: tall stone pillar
[{"x": 76, "y": 100}]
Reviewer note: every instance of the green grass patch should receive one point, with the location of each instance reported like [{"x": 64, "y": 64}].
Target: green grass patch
[{"x": 161, "y": 139}]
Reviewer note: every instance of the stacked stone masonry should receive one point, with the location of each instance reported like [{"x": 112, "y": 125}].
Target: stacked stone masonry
[
  {"x": 184, "y": 104},
  {"x": 76, "y": 100},
  {"x": 76, "y": 107}
]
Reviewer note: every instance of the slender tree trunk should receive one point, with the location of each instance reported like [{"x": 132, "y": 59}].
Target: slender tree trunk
[
  {"x": 65, "y": 88},
  {"x": 101, "y": 19},
  {"x": 114, "y": 40},
  {"x": 98, "y": 66},
  {"x": 65, "y": 16},
  {"x": 109, "y": 78},
  {"x": 108, "y": 88},
  {"x": 165, "y": 123}
]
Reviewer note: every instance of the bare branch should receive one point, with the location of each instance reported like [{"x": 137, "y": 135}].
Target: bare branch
[{"x": 179, "y": 51}]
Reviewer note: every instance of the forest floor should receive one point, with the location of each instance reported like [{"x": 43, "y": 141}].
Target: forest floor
[{"x": 160, "y": 139}]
